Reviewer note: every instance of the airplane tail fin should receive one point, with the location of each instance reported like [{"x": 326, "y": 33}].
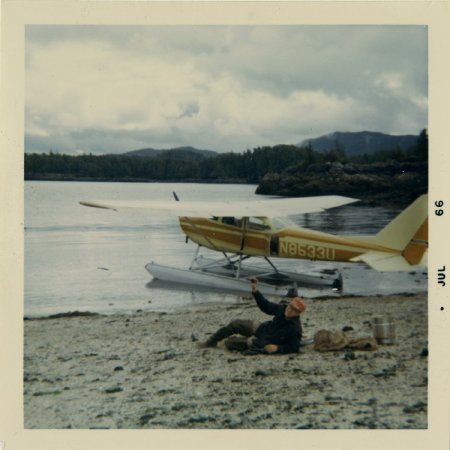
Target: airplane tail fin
[{"x": 408, "y": 234}]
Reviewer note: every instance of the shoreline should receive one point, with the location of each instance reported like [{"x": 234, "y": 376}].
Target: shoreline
[
  {"x": 366, "y": 199},
  {"x": 138, "y": 180},
  {"x": 243, "y": 299},
  {"x": 144, "y": 370}
]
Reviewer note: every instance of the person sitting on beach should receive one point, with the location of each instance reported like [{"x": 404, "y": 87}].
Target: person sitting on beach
[{"x": 282, "y": 334}]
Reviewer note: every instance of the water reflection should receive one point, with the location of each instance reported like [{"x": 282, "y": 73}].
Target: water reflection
[{"x": 347, "y": 220}]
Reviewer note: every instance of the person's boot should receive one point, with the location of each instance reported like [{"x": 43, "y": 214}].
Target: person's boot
[
  {"x": 207, "y": 344},
  {"x": 220, "y": 334}
]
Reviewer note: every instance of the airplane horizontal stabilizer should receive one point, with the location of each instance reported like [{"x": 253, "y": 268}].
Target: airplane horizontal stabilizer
[{"x": 384, "y": 262}]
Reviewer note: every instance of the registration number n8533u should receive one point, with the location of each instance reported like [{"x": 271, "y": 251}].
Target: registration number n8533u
[{"x": 296, "y": 249}]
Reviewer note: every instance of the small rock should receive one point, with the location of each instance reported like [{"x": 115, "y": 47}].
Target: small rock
[
  {"x": 113, "y": 390},
  {"x": 417, "y": 407},
  {"x": 349, "y": 355},
  {"x": 201, "y": 419},
  {"x": 178, "y": 407},
  {"x": 41, "y": 393},
  {"x": 168, "y": 356},
  {"x": 232, "y": 360},
  {"x": 146, "y": 418},
  {"x": 360, "y": 423}
]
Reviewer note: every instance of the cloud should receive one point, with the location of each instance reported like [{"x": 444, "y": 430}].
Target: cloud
[{"x": 222, "y": 88}]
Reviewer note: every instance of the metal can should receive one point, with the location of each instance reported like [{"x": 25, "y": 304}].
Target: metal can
[{"x": 384, "y": 330}]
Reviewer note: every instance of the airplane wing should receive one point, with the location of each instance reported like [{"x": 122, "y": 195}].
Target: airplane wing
[{"x": 270, "y": 207}]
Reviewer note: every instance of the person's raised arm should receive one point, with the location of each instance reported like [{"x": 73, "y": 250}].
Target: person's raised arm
[{"x": 263, "y": 304}]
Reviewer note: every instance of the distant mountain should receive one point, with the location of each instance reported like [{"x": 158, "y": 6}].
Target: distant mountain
[
  {"x": 178, "y": 151},
  {"x": 358, "y": 143}
]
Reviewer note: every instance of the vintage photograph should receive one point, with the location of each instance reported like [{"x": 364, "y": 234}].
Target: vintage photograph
[{"x": 226, "y": 227}]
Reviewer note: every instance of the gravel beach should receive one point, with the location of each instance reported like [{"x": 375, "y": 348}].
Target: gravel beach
[{"x": 145, "y": 371}]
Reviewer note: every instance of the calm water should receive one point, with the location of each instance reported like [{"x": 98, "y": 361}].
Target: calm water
[{"x": 89, "y": 259}]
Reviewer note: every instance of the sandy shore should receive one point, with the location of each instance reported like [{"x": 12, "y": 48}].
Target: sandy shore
[{"x": 145, "y": 371}]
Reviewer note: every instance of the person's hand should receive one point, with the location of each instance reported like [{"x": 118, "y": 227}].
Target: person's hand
[
  {"x": 271, "y": 348},
  {"x": 254, "y": 282}
]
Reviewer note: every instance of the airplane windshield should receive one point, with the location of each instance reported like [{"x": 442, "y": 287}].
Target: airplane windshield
[
  {"x": 256, "y": 223},
  {"x": 282, "y": 222}
]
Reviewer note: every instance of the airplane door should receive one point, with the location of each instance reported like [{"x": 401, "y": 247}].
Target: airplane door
[{"x": 274, "y": 245}]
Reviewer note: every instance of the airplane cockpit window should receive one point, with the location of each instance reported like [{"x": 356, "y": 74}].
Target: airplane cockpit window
[
  {"x": 229, "y": 220},
  {"x": 256, "y": 223},
  {"x": 252, "y": 223}
]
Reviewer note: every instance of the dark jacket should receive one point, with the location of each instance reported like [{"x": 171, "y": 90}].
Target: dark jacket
[{"x": 286, "y": 333}]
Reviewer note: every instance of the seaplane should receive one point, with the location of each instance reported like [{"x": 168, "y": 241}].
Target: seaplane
[{"x": 242, "y": 230}]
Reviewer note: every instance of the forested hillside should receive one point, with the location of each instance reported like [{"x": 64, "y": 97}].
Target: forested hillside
[
  {"x": 175, "y": 164},
  {"x": 281, "y": 169},
  {"x": 356, "y": 143}
]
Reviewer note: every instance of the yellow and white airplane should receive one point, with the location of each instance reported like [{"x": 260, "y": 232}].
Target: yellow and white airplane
[{"x": 246, "y": 230}]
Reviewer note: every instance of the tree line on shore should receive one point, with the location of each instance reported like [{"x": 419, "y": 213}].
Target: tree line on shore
[{"x": 247, "y": 167}]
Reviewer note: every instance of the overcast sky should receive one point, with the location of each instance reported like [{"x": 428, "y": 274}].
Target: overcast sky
[{"x": 112, "y": 89}]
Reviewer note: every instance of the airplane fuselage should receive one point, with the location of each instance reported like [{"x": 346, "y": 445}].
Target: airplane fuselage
[{"x": 261, "y": 238}]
